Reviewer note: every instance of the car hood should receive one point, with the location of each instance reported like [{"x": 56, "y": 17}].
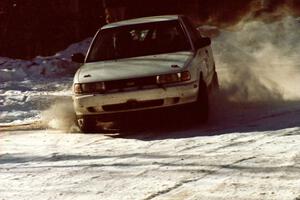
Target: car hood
[{"x": 133, "y": 67}]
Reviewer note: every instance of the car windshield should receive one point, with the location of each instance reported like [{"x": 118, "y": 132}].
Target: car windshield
[{"x": 138, "y": 40}]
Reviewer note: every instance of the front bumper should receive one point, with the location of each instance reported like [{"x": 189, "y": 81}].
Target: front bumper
[{"x": 135, "y": 100}]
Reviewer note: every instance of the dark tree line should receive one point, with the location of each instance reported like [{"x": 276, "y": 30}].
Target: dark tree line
[
  {"x": 42, "y": 27},
  {"x": 34, "y": 27}
]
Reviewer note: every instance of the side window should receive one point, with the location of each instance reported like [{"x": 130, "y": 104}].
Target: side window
[{"x": 195, "y": 35}]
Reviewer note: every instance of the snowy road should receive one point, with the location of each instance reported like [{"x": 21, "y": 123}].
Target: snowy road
[
  {"x": 248, "y": 159},
  {"x": 50, "y": 165}
]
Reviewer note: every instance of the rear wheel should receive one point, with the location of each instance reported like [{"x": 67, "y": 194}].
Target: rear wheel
[
  {"x": 202, "y": 104},
  {"x": 87, "y": 124}
]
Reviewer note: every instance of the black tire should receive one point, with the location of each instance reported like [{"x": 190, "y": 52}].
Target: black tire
[
  {"x": 215, "y": 83},
  {"x": 202, "y": 104},
  {"x": 86, "y": 124}
]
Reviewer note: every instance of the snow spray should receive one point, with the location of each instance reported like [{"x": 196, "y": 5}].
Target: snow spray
[
  {"x": 258, "y": 68},
  {"x": 60, "y": 115},
  {"x": 261, "y": 60}
]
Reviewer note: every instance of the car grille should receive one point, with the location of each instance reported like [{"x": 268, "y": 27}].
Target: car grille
[
  {"x": 137, "y": 83},
  {"x": 133, "y": 105}
]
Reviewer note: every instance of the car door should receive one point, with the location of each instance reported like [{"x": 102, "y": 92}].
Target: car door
[
  {"x": 201, "y": 63},
  {"x": 210, "y": 64}
]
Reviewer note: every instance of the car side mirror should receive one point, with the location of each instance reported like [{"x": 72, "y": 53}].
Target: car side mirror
[
  {"x": 78, "y": 58},
  {"x": 203, "y": 42}
]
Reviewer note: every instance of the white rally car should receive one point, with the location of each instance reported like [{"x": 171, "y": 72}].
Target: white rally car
[{"x": 140, "y": 64}]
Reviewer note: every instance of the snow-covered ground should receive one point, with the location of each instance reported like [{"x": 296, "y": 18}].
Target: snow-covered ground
[
  {"x": 51, "y": 165},
  {"x": 248, "y": 150}
]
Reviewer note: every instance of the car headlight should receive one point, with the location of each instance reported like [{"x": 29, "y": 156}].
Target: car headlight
[
  {"x": 80, "y": 88},
  {"x": 173, "y": 78}
]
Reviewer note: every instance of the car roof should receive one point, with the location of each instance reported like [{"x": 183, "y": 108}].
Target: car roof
[{"x": 142, "y": 21}]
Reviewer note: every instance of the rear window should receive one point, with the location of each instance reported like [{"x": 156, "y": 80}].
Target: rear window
[{"x": 138, "y": 40}]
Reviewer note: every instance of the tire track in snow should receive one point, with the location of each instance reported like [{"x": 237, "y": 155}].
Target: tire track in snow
[{"x": 183, "y": 182}]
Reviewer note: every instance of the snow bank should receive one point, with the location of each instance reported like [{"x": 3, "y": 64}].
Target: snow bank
[
  {"x": 28, "y": 87},
  {"x": 56, "y": 66}
]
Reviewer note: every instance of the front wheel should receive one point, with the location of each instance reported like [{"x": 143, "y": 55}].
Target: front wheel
[
  {"x": 86, "y": 124},
  {"x": 201, "y": 106}
]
